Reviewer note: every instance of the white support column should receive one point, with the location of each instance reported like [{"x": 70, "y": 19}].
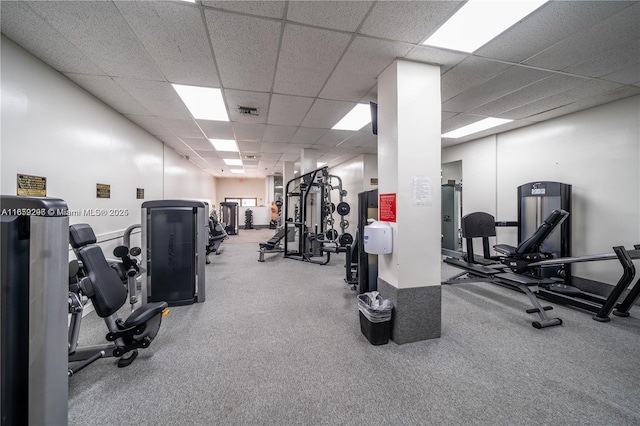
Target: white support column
[
  {"x": 308, "y": 160},
  {"x": 409, "y": 146},
  {"x": 288, "y": 168}
]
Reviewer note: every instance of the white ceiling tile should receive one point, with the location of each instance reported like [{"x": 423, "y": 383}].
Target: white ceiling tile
[
  {"x": 290, "y": 157},
  {"x": 269, "y": 156},
  {"x": 216, "y": 129},
  {"x": 25, "y": 27},
  {"x": 105, "y": 89},
  {"x": 584, "y": 90},
  {"x": 157, "y": 97},
  {"x": 593, "y": 41},
  {"x": 258, "y": 41},
  {"x": 181, "y": 127},
  {"x": 333, "y": 137},
  {"x": 510, "y": 80},
  {"x": 247, "y": 146},
  {"x": 410, "y": 21},
  {"x": 175, "y": 37},
  {"x": 238, "y": 98},
  {"x": 553, "y": 22},
  {"x": 248, "y": 131},
  {"x": 609, "y": 96},
  {"x": 272, "y": 9},
  {"x": 446, "y": 59},
  {"x": 295, "y": 148},
  {"x": 629, "y": 75},
  {"x": 199, "y": 144},
  {"x": 359, "y": 138},
  {"x": 469, "y": 73},
  {"x": 447, "y": 115},
  {"x": 612, "y": 60},
  {"x": 538, "y": 90},
  {"x": 360, "y": 66},
  {"x": 175, "y": 143},
  {"x": 112, "y": 45},
  {"x": 274, "y": 147},
  {"x": 305, "y": 135},
  {"x": 307, "y": 57},
  {"x": 151, "y": 124},
  {"x": 344, "y": 16},
  {"x": 325, "y": 114},
  {"x": 208, "y": 155},
  {"x": 372, "y": 96},
  {"x": 288, "y": 110},
  {"x": 282, "y": 134}
]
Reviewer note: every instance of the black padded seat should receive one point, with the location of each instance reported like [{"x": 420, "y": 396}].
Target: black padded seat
[
  {"x": 110, "y": 293},
  {"x": 533, "y": 243},
  {"x": 145, "y": 313}
]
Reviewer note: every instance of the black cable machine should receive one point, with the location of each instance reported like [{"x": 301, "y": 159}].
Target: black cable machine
[
  {"x": 308, "y": 213},
  {"x": 229, "y": 215}
]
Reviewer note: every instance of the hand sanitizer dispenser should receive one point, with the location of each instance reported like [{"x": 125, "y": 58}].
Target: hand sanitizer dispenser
[{"x": 378, "y": 238}]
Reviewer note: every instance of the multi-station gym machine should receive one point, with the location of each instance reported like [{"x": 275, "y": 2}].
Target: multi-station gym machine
[{"x": 309, "y": 216}]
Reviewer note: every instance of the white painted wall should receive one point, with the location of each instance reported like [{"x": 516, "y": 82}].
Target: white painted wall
[
  {"x": 370, "y": 171},
  {"x": 242, "y": 188},
  {"x": 596, "y": 150},
  {"x": 53, "y": 128}
]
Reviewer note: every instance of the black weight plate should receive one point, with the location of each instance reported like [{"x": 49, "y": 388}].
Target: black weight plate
[
  {"x": 331, "y": 234},
  {"x": 346, "y": 239},
  {"x": 343, "y": 208},
  {"x": 333, "y": 207}
]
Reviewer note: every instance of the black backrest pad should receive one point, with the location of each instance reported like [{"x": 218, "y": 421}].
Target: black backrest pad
[
  {"x": 533, "y": 243},
  {"x": 80, "y": 235},
  {"x": 110, "y": 293},
  {"x": 478, "y": 225}
]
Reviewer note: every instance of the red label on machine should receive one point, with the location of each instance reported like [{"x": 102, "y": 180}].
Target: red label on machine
[{"x": 387, "y": 207}]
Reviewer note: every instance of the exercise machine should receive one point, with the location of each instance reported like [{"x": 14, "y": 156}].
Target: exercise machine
[
  {"x": 217, "y": 235},
  {"x": 311, "y": 221},
  {"x": 518, "y": 267},
  {"x": 33, "y": 315},
  {"x": 104, "y": 285},
  {"x": 174, "y": 238},
  {"x": 230, "y": 216}
]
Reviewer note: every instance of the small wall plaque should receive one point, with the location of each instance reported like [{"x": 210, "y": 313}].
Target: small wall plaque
[
  {"x": 103, "y": 190},
  {"x": 32, "y": 186}
]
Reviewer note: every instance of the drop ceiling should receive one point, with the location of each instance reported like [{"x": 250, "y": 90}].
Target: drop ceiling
[{"x": 304, "y": 64}]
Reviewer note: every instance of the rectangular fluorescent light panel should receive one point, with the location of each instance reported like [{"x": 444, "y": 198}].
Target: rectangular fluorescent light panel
[
  {"x": 232, "y": 161},
  {"x": 476, "y": 127},
  {"x": 479, "y": 21},
  {"x": 228, "y": 145},
  {"x": 318, "y": 165},
  {"x": 355, "y": 119},
  {"x": 204, "y": 103},
  {"x": 237, "y": 170}
]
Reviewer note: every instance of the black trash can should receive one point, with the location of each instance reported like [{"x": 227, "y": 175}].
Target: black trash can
[{"x": 375, "y": 317}]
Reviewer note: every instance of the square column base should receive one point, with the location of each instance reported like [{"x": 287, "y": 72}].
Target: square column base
[{"x": 417, "y": 312}]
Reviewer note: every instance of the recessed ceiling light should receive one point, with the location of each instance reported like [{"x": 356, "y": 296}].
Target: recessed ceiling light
[
  {"x": 237, "y": 170},
  {"x": 228, "y": 145},
  {"x": 476, "y": 127},
  {"x": 355, "y": 119},
  {"x": 232, "y": 161},
  {"x": 204, "y": 103},
  {"x": 478, "y": 22}
]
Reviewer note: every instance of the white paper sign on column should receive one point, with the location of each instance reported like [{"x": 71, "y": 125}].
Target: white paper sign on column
[{"x": 421, "y": 191}]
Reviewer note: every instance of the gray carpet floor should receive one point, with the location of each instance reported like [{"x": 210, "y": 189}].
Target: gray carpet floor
[{"x": 279, "y": 343}]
